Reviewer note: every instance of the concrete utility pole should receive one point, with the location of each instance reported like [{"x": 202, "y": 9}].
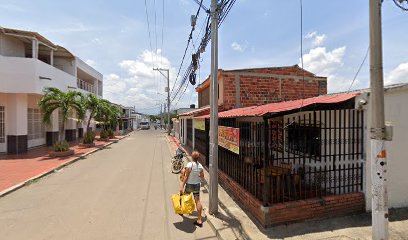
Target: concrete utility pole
[
  {"x": 213, "y": 203},
  {"x": 161, "y": 115},
  {"x": 161, "y": 70},
  {"x": 378, "y": 130}
]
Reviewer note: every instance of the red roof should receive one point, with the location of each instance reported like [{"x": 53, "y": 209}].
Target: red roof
[
  {"x": 196, "y": 111},
  {"x": 284, "y": 106}
]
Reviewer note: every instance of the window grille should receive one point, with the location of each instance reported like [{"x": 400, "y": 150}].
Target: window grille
[{"x": 35, "y": 128}]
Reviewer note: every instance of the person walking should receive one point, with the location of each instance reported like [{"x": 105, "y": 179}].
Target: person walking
[{"x": 191, "y": 183}]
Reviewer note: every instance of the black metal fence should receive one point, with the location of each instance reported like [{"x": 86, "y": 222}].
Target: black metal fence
[{"x": 298, "y": 156}]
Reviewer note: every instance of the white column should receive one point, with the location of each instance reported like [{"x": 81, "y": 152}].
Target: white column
[
  {"x": 17, "y": 114},
  {"x": 34, "y": 48},
  {"x": 54, "y": 124},
  {"x": 52, "y": 57}
]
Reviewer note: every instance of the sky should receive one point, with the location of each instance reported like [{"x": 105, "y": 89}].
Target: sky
[{"x": 113, "y": 37}]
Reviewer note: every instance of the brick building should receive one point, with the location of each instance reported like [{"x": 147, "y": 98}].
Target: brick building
[{"x": 258, "y": 86}]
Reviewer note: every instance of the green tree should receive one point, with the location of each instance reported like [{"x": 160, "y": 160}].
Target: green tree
[
  {"x": 93, "y": 105},
  {"x": 65, "y": 102},
  {"x": 108, "y": 113}
]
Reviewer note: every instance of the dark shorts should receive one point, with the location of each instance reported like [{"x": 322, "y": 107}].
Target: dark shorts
[{"x": 193, "y": 188}]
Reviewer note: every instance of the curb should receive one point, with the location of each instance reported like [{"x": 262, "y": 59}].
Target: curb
[{"x": 41, "y": 175}]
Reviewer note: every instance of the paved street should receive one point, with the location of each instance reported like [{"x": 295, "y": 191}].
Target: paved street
[{"x": 122, "y": 192}]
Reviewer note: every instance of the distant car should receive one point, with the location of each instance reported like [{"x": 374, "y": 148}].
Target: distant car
[{"x": 144, "y": 125}]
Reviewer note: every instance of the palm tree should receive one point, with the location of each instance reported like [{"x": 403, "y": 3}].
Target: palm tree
[
  {"x": 108, "y": 113},
  {"x": 65, "y": 102},
  {"x": 94, "y": 105}
]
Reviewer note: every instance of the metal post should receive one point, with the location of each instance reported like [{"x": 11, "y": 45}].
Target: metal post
[
  {"x": 168, "y": 95},
  {"x": 213, "y": 194},
  {"x": 377, "y": 132},
  {"x": 161, "y": 115}
]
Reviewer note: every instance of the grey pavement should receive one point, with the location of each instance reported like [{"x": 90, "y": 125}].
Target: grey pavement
[{"x": 122, "y": 192}]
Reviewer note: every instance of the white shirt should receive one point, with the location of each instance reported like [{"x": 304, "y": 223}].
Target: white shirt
[{"x": 196, "y": 169}]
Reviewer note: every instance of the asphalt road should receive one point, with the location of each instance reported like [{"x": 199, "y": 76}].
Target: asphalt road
[{"x": 122, "y": 192}]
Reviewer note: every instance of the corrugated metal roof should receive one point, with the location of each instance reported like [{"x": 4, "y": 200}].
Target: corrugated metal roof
[
  {"x": 196, "y": 111},
  {"x": 284, "y": 106}
]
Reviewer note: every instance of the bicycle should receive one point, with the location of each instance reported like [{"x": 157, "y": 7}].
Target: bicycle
[{"x": 177, "y": 162}]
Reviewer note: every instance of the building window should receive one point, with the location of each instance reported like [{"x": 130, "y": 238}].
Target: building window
[
  {"x": 35, "y": 127},
  {"x": 2, "y": 124},
  {"x": 303, "y": 139}
]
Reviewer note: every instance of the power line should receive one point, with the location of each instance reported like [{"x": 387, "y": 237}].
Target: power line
[
  {"x": 359, "y": 68},
  {"x": 155, "y": 26},
  {"x": 185, "y": 51},
  {"x": 162, "y": 35},
  {"x": 399, "y": 4},
  {"x": 148, "y": 28},
  {"x": 225, "y": 8}
]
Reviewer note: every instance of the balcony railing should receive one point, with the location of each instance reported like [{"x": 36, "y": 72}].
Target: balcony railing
[{"x": 81, "y": 84}]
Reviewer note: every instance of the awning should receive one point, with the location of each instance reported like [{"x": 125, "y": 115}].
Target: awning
[{"x": 258, "y": 111}]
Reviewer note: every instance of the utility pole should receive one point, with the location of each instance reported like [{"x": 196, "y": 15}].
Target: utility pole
[
  {"x": 378, "y": 130},
  {"x": 161, "y": 115},
  {"x": 161, "y": 70},
  {"x": 213, "y": 193}
]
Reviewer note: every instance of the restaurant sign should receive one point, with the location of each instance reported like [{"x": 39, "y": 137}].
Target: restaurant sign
[
  {"x": 228, "y": 138},
  {"x": 199, "y": 123}
]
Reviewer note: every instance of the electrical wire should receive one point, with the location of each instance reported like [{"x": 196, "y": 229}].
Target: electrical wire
[
  {"x": 148, "y": 28},
  {"x": 359, "y": 68},
  {"x": 301, "y": 53},
  {"x": 185, "y": 51},
  {"x": 162, "y": 35},
  {"x": 399, "y": 4}
]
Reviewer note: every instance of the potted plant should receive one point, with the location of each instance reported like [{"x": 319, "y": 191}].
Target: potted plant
[
  {"x": 104, "y": 135},
  {"x": 111, "y": 134},
  {"x": 61, "y": 149},
  {"x": 65, "y": 102},
  {"x": 88, "y": 140}
]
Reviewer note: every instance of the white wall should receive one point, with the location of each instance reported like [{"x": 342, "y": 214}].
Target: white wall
[
  {"x": 65, "y": 64},
  {"x": 396, "y": 111},
  {"x": 16, "y": 114},
  {"x": 11, "y": 46},
  {"x": 22, "y": 75}
]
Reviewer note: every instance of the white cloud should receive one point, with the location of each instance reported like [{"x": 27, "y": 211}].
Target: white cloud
[
  {"x": 91, "y": 63},
  {"x": 140, "y": 84},
  {"x": 310, "y": 35},
  {"x": 239, "y": 47},
  {"x": 321, "y": 61},
  {"x": 398, "y": 75},
  {"x": 319, "y": 40},
  {"x": 325, "y": 63}
]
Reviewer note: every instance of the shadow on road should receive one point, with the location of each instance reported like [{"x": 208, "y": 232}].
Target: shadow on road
[{"x": 187, "y": 225}]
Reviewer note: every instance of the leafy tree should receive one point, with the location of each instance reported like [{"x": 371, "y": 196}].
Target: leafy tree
[
  {"x": 92, "y": 104},
  {"x": 65, "y": 102},
  {"x": 108, "y": 114}
]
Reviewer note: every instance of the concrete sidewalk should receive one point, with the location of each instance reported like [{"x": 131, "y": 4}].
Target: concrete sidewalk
[
  {"x": 232, "y": 222},
  {"x": 18, "y": 170}
]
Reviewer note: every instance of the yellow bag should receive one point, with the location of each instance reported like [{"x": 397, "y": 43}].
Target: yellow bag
[
  {"x": 176, "y": 200},
  {"x": 183, "y": 204},
  {"x": 187, "y": 203}
]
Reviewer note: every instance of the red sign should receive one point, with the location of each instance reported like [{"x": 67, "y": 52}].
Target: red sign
[{"x": 228, "y": 138}]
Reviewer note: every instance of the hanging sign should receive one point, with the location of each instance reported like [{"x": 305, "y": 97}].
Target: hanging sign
[
  {"x": 199, "y": 123},
  {"x": 228, "y": 138}
]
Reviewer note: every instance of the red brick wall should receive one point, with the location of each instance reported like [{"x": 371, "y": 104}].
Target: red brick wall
[
  {"x": 259, "y": 90},
  {"x": 294, "y": 211}
]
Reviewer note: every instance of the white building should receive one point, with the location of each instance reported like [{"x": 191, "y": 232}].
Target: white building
[{"x": 29, "y": 63}]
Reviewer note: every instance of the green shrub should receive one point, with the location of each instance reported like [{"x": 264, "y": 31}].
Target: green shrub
[
  {"x": 111, "y": 133},
  {"x": 89, "y": 137},
  {"x": 104, "y": 134},
  {"x": 61, "y": 146}
]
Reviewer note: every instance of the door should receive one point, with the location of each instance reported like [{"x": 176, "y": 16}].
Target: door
[
  {"x": 3, "y": 142},
  {"x": 35, "y": 128}
]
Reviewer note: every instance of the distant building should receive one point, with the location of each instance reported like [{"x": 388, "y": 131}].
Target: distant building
[{"x": 29, "y": 63}]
